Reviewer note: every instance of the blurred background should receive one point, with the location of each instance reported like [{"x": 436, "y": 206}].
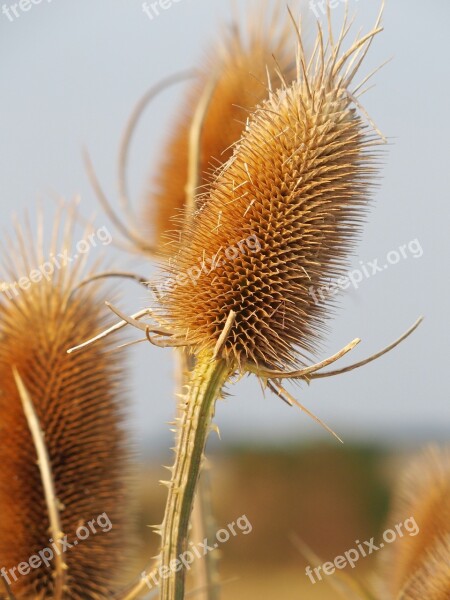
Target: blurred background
[{"x": 70, "y": 75}]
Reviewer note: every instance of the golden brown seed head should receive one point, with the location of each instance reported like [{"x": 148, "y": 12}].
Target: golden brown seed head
[
  {"x": 297, "y": 186},
  {"x": 420, "y": 564},
  {"x": 77, "y": 400},
  {"x": 239, "y": 68}
]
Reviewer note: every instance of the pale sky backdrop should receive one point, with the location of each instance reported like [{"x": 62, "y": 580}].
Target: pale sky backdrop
[{"x": 69, "y": 74}]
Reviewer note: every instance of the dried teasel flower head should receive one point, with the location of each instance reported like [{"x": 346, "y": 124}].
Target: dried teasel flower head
[
  {"x": 418, "y": 566},
  {"x": 78, "y": 402},
  {"x": 237, "y": 69},
  {"x": 281, "y": 218}
]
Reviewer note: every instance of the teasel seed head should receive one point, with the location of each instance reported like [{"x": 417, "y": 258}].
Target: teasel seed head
[
  {"x": 281, "y": 218},
  {"x": 418, "y": 567},
  {"x": 78, "y": 401},
  {"x": 237, "y": 67}
]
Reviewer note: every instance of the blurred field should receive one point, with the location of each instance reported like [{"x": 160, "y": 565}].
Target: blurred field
[
  {"x": 327, "y": 495},
  {"x": 282, "y": 584}
]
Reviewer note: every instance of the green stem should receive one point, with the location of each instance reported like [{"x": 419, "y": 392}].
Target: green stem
[
  {"x": 206, "y": 382},
  {"x": 204, "y": 571}
]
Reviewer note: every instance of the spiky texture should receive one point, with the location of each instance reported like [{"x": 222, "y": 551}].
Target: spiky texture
[
  {"x": 418, "y": 567},
  {"x": 239, "y": 67},
  {"x": 432, "y": 579},
  {"x": 299, "y": 181},
  {"x": 77, "y": 399}
]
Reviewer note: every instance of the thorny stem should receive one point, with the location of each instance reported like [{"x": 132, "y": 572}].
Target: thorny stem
[
  {"x": 205, "y": 569},
  {"x": 206, "y": 382},
  {"x": 196, "y": 411}
]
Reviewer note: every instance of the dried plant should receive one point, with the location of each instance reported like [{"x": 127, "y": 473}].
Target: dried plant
[
  {"x": 279, "y": 152},
  {"x": 231, "y": 82},
  {"x": 418, "y": 567},
  {"x": 64, "y": 412},
  {"x": 298, "y": 183}
]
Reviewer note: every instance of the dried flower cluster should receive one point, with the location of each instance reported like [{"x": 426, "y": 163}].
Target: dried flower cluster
[
  {"x": 272, "y": 146},
  {"x": 418, "y": 568},
  {"x": 77, "y": 399},
  {"x": 299, "y": 181}
]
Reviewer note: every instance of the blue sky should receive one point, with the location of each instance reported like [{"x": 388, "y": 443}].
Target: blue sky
[{"x": 70, "y": 74}]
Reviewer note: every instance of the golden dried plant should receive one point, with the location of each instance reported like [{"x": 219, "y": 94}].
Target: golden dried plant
[
  {"x": 298, "y": 184},
  {"x": 418, "y": 567},
  {"x": 79, "y": 406},
  {"x": 295, "y": 190},
  {"x": 278, "y": 219}
]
